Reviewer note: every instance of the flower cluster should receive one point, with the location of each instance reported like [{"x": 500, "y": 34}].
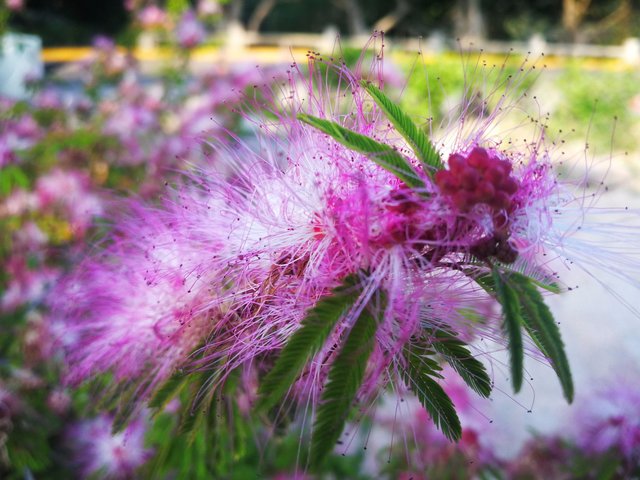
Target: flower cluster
[
  {"x": 341, "y": 243},
  {"x": 66, "y": 159}
]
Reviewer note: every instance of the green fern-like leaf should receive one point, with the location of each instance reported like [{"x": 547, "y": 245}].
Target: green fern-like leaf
[
  {"x": 458, "y": 355},
  {"x": 306, "y": 342},
  {"x": 537, "y": 320},
  {"x": 126, "y": 409},
  {"x": 419, "y": 376},
  {"x": 417, "y": 139},
  {"x": 541, "y": 326},
  {"x": 197, "y": 404},
  {"x": 548, "y": 286},
  {"x": 168, "y": 390},
  {"x": 381, "y": 154},
  {"x": 513, "y": 322},
  {"x": 345, "y": 377},
  {"x": 485, "y": 280}
]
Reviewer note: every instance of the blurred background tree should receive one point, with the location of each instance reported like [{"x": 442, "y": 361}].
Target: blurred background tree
[{"x": 65, "y": 22}]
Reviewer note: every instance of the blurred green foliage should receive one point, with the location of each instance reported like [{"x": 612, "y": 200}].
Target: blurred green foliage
[
  {"x": 436, "y": 83},
  {"x": 594, "y": 102}
]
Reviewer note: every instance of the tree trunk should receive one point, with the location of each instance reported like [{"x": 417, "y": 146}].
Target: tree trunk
[
  {"x": 233, "y": 13},
  {"x": 468, "y": 20},
  {"x": 619, "y": 19},
  {"x": 391, "y": 19},
  {"x": 573, "y": 13},
  {"x": 355, "y": 18},
  {"x": 261, "y": 12}
]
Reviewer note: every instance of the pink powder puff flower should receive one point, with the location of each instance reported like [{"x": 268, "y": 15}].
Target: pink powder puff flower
[
  {"x": 15, "y": 5},
  {"x": 26, "y": 285},
  {"x": 609, "y": 419},
  {"x": 59, "y": 401},
  {"x": 129, "y": 120},
  {"x": 104, "y": 328},
  {"x": 10, "y": 404},
  {"x": 189, "y": 32},
  {"x": 152, "y": 16},
  {"x": 320, "y": 212},
  {"x": 70, "y": 190},
  {"x": 7, "y": 154},
  {"x": 254, "y": 242},
  {"x": 16, "y": 135},
  {"x": 19, "y": 202},
  {"x": 100, "y": 454},
  {"x": 106, "y": 59},
  {"x": 48, "y": 99},
  {"x": 208, "y": 7},
  {"x": 311, "y": 212},
  {"x": 134, "y": 117}
]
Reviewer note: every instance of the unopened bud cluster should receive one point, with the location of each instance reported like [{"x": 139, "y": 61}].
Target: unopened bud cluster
[{"x": 479, "y": 177}]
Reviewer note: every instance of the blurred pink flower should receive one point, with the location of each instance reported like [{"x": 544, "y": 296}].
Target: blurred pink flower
[
  {"x": 100, "y": 454},
  {"x": 15, "y": 5},
  {"x": 48, "y": 99},
  {"x": 70, "y": 190},
  {"x": 209, "y": 7},
  {"x": 26, "y": 285},
  {"x": 152, "y": 16},
  {"x": 610, "y": 419},
  {"x": 16, "y": 135},
  {"x": 59, "y": 401},
  {"x": 190, "y": 32},
  {"x": 105, "y": 328}
]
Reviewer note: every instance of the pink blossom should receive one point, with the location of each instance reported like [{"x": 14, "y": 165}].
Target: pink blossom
[
  {"x": 208, "y": 7},
  {"x": 10, "y": 404},
  {"x": 152, "y": 16},
  {"x": 15, "y": 5},
  {"x": 106, "y": 59},
  {"x": 48, "y": 99},
  {"x": 190, "y": 33},
  {"x": 16, "y": 135},
  {"x": 19, "y": 202},
  {"x": 610, "y": 419},
  {"x": 30, "y": 237},
  {"x": 98, "y": 453},
  {"x": 71, "y": 191},
  {"x": 59, "y": 401},
  {"x": 109, "y": 329},
  {"x": 27, "y": 286},
  {"x": 232, "y": 260}
]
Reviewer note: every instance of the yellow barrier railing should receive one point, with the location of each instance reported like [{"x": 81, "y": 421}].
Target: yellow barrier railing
[{"x": 280, "y": 54}]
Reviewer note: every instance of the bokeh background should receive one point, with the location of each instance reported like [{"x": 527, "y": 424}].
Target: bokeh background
[{"x": 106, "y": 100}]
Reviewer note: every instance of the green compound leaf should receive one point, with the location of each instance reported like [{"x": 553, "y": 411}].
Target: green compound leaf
[
  {"x": 12, "y": 176},
  {"x": 485, "y": 280},
  {"x": 199, "y": 399},
  {"x": 418, "y": 375},
  {"x": 345, "y": 377},
  {"x": 537, "y": 320},
  {"x": 548, "y": 286},
  {"x": 417, "y": 139},
  {"x": 542, "y": 328},
  {"x": 381, "y": 154},
  {"x": 513, "y": 321},
  {"x": 168, "y": 390},
  {"x": 457, "y": 354},
  {"x": 306, "y": 342}
]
